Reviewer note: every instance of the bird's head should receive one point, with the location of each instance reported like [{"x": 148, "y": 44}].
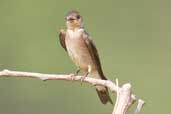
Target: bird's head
[{"x": 74, "y": 20}]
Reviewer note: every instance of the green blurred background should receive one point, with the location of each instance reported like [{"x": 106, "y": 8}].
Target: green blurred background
[{"x": 133, "y": 38}]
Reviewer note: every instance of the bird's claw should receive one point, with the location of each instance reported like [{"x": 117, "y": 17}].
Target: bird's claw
[
  {"x": 82, "y": 78},
  {"x": 72, "y": 77}
]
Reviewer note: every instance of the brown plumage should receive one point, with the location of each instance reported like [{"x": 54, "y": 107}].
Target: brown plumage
[
  {"x": 76, "y": 41},
  {"x": 62, "y": 35}
]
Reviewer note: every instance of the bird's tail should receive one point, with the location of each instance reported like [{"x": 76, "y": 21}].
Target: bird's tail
[
  {"x": 103, "y": 94},
  {"x": 101, "y": 90}
]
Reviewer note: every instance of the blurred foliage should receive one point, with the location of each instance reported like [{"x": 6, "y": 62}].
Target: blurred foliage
[{"x": 133, "y": 38}]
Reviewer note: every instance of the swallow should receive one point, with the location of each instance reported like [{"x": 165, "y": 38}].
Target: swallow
[{"x": 83, "y": 52}]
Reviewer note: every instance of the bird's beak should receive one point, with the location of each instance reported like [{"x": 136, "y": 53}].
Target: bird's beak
[{"x": 71, "y": 19}]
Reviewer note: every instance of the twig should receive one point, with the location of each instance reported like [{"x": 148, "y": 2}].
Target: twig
[
  {"x": 124, "y": 99},
  {"x": 117, "y": 97},
  {"x": 139, "y": 106},
  {"x": 124, "y": 94},
  {"x": 44, "y": 77}
]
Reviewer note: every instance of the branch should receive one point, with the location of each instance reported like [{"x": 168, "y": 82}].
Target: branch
[
  {"x": 139, "y": 106},
  {"x": 125, "y": 98}
]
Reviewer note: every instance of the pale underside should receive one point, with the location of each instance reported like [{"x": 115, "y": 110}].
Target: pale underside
[{"x": 78, "y": 51}]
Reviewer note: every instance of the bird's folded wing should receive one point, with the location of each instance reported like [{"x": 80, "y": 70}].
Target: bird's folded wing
[
  {"x": 62, "y": 36},
  {"x": 94, "y": 54}
]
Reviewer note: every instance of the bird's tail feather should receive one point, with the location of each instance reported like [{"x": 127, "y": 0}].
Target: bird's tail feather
[
  {"x": 101, "y": 90},
  {"x": 103, "y": 94}
]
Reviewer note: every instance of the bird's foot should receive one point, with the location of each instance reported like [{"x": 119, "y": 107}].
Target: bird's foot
[
  {"x": 75, "y": 74},
  {"x": 72, "y": 76},
  {"x": 83, "y": 77}
]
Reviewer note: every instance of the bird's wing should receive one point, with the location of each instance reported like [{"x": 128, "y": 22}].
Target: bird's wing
[
  {"x": 94, "y": 54},
  {"x": 62, "y": 36}
]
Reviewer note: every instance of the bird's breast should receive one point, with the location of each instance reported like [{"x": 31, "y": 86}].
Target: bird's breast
[
  {"x": 75, "y": 48},
  {"x": 75, "y": 44},
  {"x": 78, "y": 51}
]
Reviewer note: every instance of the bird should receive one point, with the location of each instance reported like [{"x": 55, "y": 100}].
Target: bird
[{"x": 83, "y": 52}]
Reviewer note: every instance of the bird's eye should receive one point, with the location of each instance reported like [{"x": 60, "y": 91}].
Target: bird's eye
[{"x": 78, "y": 16}]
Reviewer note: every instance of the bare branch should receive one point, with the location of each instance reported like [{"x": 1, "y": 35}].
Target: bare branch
[
  {"x": 92, "y": 81},
  {"x": 139, "y": 106},
  {"x": 125, "y": 98}
]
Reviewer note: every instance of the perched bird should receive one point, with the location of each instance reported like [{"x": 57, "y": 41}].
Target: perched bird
[{"x": 80, "y": 47}]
